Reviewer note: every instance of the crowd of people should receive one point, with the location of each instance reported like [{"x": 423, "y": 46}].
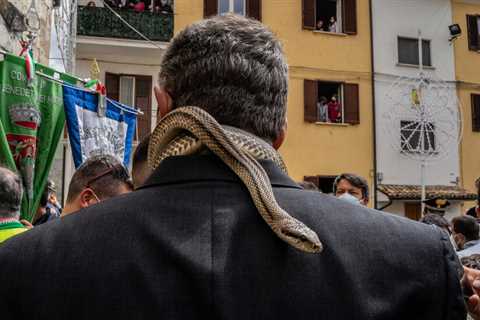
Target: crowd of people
[
  {"x": 157, "y": 6},
  {"x": 185, "y": 239}
]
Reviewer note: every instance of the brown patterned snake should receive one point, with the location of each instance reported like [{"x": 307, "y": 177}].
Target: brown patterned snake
[{"x": 185, "y": 130}]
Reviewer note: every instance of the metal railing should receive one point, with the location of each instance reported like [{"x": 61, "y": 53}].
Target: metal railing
[{"x": 101, "y": 22}]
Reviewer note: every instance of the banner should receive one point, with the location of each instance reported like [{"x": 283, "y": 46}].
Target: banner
[
  {"x": 93, "y": 131},
  {"x": 31, "y": 124}
]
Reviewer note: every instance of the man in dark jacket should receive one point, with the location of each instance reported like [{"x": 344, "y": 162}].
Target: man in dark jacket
[{"x": 190, "y": 244}]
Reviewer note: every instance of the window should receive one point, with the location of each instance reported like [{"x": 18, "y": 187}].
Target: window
[
  {"x": 411, "y": 136},
  {"x": 331, "y": 102},
  {"x": 250, "y": 8},
  {"x": 408, "y": 52},
  {"x": 324, "y": 183},
  {"x": 330, "y": 15},
  {"x": 473, "y": 26},
  {"x": 133, "y": 90},
  {"x": 235, "y": 6},
  {"x": 476, "y": 112}
]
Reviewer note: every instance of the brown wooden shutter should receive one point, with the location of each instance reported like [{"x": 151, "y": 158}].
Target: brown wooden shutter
[
  {"x": 413, "y": 210},
  {"x": 143, "y": 101},
  {"x": 351, "y": 103},
  {"x": 254, "y": 9},
  {"x": 309, "y": 10},
  {"x": 350, "y": 16},
  {"x": 112, "y": 84},
  {"x": 473, "y": 36},
  {"x": 313, "y": 179},
  {"x": 210, "y": 8},
  {"x": 310, "y": 99},
  {"x": 475, "y": 112}
]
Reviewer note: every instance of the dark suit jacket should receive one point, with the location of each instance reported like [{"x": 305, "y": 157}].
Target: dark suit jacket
[{"x": 191, "y": 245}]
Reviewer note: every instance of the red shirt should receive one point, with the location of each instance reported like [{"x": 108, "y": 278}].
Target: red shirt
[{"x": 334, "y": 111}]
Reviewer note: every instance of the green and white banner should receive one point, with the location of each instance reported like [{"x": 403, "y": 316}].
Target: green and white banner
[{"x": 31, "y": 124}]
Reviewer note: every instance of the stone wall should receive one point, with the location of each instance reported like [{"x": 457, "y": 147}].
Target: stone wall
[{"x": 9, "y": 41}]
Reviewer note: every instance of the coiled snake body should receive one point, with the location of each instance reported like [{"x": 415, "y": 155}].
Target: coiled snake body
[{"x": 186, "y": 130}]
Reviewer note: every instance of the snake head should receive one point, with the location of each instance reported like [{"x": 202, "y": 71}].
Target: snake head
[{"x": 300, "y": 236}]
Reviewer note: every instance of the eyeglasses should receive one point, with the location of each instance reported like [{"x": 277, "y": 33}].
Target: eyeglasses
[{"x": 117, "y": 171}]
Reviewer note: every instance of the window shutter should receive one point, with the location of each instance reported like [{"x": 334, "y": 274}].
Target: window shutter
[
  {"x": 475, "y": 112},
  {"x": 350, "y": 16},
  {"x": 351, "y": 103},
  {"x": 413, "y": 210},
  {"x": 112, "y": 84},
  {"x": 210, "y": 8},
  {"x": 473, "y": 36},
  {"x": 254, "y": 9},
  {"x": 310, "y": 98},
  {"x": 309, "y": 10},
  {"x": 143, "y": 101},
  {"x": 313, "y": 179}
]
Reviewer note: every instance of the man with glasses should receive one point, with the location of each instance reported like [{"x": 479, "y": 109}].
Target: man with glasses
[{"x": 97, "y": 179}]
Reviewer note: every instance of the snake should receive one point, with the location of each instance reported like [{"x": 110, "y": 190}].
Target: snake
[{"x": 188, "y": 130}]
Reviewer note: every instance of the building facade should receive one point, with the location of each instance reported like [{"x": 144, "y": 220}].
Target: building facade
[
  {"x": 466, "y": 13},
  {"x": 396, "y": 74}
]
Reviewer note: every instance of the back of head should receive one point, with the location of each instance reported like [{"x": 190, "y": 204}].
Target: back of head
[
  {"x": 232, "y": 67},
  {"x": 140, "y": 169},
  {"x": 11, "y": 191},
  {"x": 467, "y": 226},
  {"x": 104, "y": 174},
  {"x": 437, "y": 220}
]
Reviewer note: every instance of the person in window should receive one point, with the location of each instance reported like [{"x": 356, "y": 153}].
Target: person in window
[
  {"x": 322, "y": 110},
  {"x": 162, "y": 6},
  {"x": 139, "y": 6},
  {"x": 320, "y": 25},
  {"x": 91, "y": 4},
  {"x": 334, "y": 110},
  {"x": 332, "y": 26}
]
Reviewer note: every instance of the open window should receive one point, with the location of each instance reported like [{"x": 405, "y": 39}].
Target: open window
[
  {"x": 331, "y": 102},
  {"x": 473, "y": 26},
  {"x": 249, "y": 8},
  {"x": 336, "y": 16},
  {"x": 133, "y": 90},
  {"x": 324, "y": 183}
]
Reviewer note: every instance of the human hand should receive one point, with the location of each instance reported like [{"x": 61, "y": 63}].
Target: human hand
[
  {"x": 26, "y": 224},
  {"x": 471, "y": 289}
]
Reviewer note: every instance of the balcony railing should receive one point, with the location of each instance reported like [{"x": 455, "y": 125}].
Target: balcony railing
[{"x": 101, "y": 22}]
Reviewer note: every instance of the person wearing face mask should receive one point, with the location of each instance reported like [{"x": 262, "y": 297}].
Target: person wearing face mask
[
  {"x": 351, "y": 188},
  {"x": 465, "y": 235},
  {"x": 334, "y": 110},
  {"x": 97, "y": 179}
]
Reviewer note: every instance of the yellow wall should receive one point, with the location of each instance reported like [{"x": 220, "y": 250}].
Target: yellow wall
[
  {"x": 316, "y": 149},
  {"x": 467, "y": 65}
]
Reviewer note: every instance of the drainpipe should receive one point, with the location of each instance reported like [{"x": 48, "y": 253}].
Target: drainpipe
[{"x": 372, "y": 61}]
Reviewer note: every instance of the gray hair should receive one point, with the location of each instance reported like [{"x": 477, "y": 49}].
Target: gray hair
[
  {"x": 11, "y": 192},
  {"x": 232, "y": 67}
]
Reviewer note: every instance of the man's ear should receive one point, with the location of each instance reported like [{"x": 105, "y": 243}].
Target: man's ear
[
  {"x": 87, "y": 198},
  {"x": 277, "y": 143},
  {"x": 164, "y": 102}
]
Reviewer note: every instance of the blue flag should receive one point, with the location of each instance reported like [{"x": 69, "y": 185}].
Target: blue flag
[{"x": 98, "y": 129}]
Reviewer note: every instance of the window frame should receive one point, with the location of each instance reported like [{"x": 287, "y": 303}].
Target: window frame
[
  {"x": 429, "y": 41},
  {"x": 347, "y": 21},
  {"x": 231, "y": 7}
]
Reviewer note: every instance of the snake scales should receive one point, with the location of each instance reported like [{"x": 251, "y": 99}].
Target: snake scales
[{"x": 188, "y": 129}]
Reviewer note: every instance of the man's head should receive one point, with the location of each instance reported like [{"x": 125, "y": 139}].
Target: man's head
[
  {"x": 11, "y": 191},
  {"x": 465, "y": 229},
  {"x": 349, "y": 186},
  {"x": 140, "y": 169},
  {"x": 437, "y": 220},
  {"x": 232, "y": 67},
  {"x": 97, "y": 179}
]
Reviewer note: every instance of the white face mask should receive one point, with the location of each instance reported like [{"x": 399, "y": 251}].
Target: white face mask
[{"x": 349, "y": 198}]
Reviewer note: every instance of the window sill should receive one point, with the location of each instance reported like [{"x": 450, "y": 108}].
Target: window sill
[
  {"x": 333, "y": 124},
  {"x": 416, "y": 66},
  {"x": 338, "y": 34}
]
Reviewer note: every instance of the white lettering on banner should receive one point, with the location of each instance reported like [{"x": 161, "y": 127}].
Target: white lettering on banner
[{"x": 100, "y": 135}]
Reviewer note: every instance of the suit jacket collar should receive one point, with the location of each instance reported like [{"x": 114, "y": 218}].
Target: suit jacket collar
[{"x": 195, "y": 168}]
